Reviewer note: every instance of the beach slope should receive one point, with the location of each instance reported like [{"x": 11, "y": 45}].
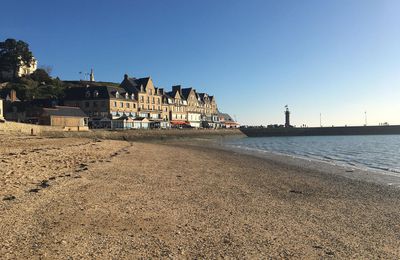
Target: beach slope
[{"x": 149, "y": 200}]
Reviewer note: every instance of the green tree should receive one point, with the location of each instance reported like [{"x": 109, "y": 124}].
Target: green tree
[
  {"x": 12, "y": 53},
  {"x": 40, "y": 75}
]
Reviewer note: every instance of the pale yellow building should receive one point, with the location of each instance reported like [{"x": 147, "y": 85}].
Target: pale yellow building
[
  {"x": 177, "y": 107},
  {"x": 21, "y": 70},
  {"x": 149, "y": 97},
  {"x": 24, "y": 69},
  {"x": 193, "y": 108},
  {"x": 1, "y": 110}
]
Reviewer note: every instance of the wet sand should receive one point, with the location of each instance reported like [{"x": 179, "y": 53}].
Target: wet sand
[{"x": 120, "y": 200}]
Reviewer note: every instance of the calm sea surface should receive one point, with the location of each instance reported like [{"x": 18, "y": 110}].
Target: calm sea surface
[{"x": 378, "y": 152}]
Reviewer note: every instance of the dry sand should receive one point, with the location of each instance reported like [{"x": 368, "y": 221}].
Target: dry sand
[{"x": 121, "y": 200}]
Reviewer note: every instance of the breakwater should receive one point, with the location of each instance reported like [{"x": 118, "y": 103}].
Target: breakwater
[{"x": 320, "y": 131}]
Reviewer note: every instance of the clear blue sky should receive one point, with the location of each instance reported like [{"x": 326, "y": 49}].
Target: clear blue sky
[{"x": 339, "y": 58}]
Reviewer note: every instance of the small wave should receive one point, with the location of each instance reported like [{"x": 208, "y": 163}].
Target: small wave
[
  {"x": 379, "y": 168},
  {"x": 378, "y": 154},
  {"x": 394, "y": 170}
]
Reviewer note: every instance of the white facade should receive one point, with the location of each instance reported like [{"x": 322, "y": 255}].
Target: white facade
[
  {"x": 1, "y": 109},
  {"x": 22, "y": 70},
  {"x": 25, "y": 70},
  {"x": 194, "y": 119}
]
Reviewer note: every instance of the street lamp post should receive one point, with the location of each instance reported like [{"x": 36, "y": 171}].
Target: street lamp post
[{"x": 320, "y": 119}]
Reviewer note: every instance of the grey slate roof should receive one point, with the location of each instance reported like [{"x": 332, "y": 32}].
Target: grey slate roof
[
  {"x": 186, "y": 92},
  {"x": 226, "y": 116},
  {"x": 64, "y": 111},
  {"x": 133, "y": 84},
  {"x": 95, "y": 92}
]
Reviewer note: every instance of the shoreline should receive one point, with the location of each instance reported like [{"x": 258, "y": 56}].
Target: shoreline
[
  {"x": 325, "y": 167},
  {"x": 355, "y": 172},
  {"x": 179, "y": 199}
]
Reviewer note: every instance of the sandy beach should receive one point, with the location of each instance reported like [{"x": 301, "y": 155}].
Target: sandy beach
[{"x": 83, "y": 198}]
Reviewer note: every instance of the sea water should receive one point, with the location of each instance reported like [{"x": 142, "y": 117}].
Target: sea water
[{"x": 380, "y": 153}]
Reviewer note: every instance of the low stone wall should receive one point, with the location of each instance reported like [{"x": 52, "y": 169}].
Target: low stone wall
[
  {"x": 153, "y": 134},
  {"x": 33, "y": 129},
  {"x": 131, "y": 135}
]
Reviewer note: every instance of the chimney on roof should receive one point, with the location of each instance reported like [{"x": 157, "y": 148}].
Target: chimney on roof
[
  {"x": 126, "y": 76},
  {"x": 161, "y": 91},
  {"x": 141, "y": 88},
  {"x": 13, "y": 95},
  {"x": 177, "y": 88}
]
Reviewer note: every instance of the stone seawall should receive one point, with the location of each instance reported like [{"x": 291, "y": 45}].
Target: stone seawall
[
  {"x": 154, "y": 134},
  {"x": 131, "y": 135},
  {"x": 14, "y": 127}
]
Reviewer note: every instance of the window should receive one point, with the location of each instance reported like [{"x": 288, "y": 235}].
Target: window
[
  {"x": 87, "y": 93},
  {"x": 94, "y": 103},
  {"x": 115, "y": 103},
  {"x": 134, "y": 105},
  {"x": 87, "y": 104},
  {"x": 148, "y": 99},
  {"x": 153, "y": 100},
  {"x": 141, "y": 99},
  {"x": 122, "y": 104},
  {"x": 128, "y": 105}
]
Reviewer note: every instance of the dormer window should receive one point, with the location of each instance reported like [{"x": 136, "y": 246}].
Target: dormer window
[
  {"x": 87, "y": 94},
  {"x": 117, "y": 94},
  {"x": 126, "y": 95},
  {"x": 95, "y": 93},
  {"x": 132, "y": 96}
]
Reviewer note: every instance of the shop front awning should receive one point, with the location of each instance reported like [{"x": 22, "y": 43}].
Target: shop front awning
[{"x": 179, "y": 123}]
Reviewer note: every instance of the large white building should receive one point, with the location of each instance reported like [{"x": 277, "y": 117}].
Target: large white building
[
  {"x": 22, "y": 70},
  {"x": 1, "y": 110}
]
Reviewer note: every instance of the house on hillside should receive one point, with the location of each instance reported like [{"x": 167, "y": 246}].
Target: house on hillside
[{"x": 21, "y": 70}]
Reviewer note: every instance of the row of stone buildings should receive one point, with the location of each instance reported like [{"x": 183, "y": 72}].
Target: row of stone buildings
[
  {"x": 134, "y": 103},
  {"x": 138, "y": 103}
]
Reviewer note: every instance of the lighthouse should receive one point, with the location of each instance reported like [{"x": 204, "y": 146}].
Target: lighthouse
[{"x": 287, "y": 116}]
